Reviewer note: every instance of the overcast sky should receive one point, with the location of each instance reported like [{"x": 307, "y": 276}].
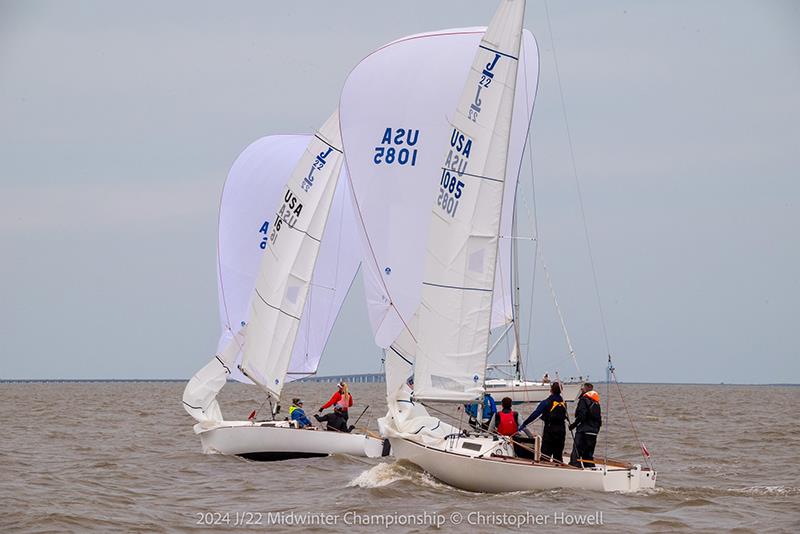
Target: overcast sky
[{"x": 119, "y": 122}]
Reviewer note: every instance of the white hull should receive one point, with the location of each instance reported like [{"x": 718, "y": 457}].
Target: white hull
[
  {"x": 497, "y": 474},
  {"x": 281, "y": 441},
  {"x": 526, "y": 391}
]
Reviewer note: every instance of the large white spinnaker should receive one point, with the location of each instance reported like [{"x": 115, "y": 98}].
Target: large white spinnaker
[
  {"x": 288, "y": 262},
  {"x": 256, "y": 182},
  {"x": 452, "y": 336},
  {"x": 395, "y": 107}
]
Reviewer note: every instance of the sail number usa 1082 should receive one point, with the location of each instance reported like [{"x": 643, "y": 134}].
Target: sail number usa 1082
[{"x": 395, "y": 147}]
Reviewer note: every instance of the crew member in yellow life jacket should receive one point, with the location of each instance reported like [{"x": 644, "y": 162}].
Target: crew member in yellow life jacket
[
  {"x": 296, "y": 413},
  {"x": 553, "y": 412}
]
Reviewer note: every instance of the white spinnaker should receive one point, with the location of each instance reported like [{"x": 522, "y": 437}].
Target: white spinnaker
[
  {"x": 255, "y": 183},
  {"x": 288, "y": 262},
  {"x": 200, "y": 393},
  {"x": 452, "y": 334},
  {"x": 411, "y": 86}
]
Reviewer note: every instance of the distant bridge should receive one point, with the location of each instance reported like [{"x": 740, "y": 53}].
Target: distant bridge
[{"x": 363, "y": 378}]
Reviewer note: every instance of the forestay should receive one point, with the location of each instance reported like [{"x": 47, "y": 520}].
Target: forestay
[
  {"x": 395, "y": 108},
  {"x": 454, "y": 316},
  {"x": 256, "y": 182},
  {"x": 293, "y": 243}
]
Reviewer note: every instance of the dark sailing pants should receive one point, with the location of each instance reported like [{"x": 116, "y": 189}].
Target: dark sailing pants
[
  {"x": 553, "y": 443},
  {"x": 583, "y": 447}
]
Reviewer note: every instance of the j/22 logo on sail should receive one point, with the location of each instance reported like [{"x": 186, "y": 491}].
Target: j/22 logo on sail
[{"x": 396, "y": 147}]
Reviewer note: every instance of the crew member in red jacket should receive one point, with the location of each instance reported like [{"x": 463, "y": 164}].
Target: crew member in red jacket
[{"x": 342, "y": 399}]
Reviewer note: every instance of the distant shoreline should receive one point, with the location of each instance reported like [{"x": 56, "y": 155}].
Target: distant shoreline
[{"x": 178, "y": 380}]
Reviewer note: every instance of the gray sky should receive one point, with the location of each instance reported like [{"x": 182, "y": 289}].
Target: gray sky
[{"x": 119, "y": 122}]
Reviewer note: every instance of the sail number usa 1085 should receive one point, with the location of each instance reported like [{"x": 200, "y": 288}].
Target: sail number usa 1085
[
  {"x": 449, "y": 192},
  {"x": 450, "y": 186},
  {"x": 395, "y": 147}
]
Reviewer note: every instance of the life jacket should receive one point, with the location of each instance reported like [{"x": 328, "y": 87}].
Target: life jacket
[
  {"x": 342, "y": 403},
  {"x": 594, "y": 419},
  {"x": 594, "y": 406},
  {"x": 556, "y": 415},
  {"x": 507, "y": 423},
  {"x": 292, "y": 408}
]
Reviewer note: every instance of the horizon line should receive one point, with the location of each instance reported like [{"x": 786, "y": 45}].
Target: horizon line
[{"x": 130, "y": 380}]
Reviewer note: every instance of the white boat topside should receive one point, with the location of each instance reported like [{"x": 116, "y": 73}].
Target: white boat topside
[
  {"x": 279, "y": 440},
  {"x": 483, "y": 465}
]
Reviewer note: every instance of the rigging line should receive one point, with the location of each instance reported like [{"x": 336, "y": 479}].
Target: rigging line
[
  {"x": 338, "y": 313},
  {"x": 642, "y": 448},
  {"x": 608, "y": 405},
  {"x": 374, "y": 257},
  {"x": 558, "y": 311},
  {"x": 310, "y": 296},
  {"x": 577, "y": 182},
  {"x": 515, "y": 289},
  {"x": 309, "y": 299},
  {"x": 345, "y": 192},
  {"x": 514, "y": 271},
  {"x": 532, "y": 218},
  {"x": 219, "y": 267}
]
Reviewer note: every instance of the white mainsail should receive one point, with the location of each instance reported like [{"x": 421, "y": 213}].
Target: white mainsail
[
  {"x": 452, "y": 336},
  {"x": 256, "y": 182},
  {"x": 288, "y": 262},
  {"x": 394, "y": 110}
]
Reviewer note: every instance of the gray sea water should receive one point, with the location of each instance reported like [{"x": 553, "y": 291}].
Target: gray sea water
[{"x": 122, "y": 457}]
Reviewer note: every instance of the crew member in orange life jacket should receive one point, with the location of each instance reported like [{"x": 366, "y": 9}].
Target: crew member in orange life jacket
[
  {"x": 342, "y": 398},
  {"x": 587, "y": 422},
  {"x": 506, "y": 421}
]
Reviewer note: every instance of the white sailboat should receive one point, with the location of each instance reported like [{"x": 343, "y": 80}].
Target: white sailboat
[
  {"x": 445, "y": 340},
  {"x": 522, "y": 391},
  {"x": 276, "y": 320},
  {"x": 392, "y": 128}
]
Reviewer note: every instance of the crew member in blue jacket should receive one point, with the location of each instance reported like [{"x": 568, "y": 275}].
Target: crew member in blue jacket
[
  {"x": 489, "y": 409},
  {"x": 296, "y": 413},
  {"x": 553, "y": 412}
]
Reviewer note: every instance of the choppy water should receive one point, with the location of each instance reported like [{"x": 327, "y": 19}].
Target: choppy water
[{"x": 122, "y": 456}]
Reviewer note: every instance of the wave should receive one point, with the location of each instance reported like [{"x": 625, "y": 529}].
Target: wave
[
  {"x": 384, "y": 474},
  {"x": 705, "y": 491}
]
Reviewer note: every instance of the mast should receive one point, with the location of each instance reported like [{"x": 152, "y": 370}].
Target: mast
[{"x": 517, "y": 351}]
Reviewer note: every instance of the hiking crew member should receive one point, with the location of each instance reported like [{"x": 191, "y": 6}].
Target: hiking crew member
[
  {"x": 296, "y": 413},
  {"x": 342, "y": 398},
  {"x": 588, "y": 420},
  {"x": 336, "y": 420},
  {"x": 506, "y": 421},
  {"x": 553, "y": 412}
]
